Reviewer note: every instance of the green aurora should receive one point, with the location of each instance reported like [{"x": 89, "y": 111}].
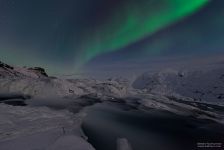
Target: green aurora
[
  {"x": 68, "y": 35},
  {"x": 134, "y": 21}
]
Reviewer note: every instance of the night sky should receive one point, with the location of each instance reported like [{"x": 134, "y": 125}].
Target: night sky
[{"x": 64, "y": 36}]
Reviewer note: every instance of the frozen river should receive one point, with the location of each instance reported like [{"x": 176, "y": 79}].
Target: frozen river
[{"x": 152, "y": 130}]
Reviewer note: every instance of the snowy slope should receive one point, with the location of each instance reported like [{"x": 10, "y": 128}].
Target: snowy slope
[
  {"x": 25, "y": 128},
  {"x": 13, "y": 71},
  {"x": 204, "y": 84},
  {"x": 35, "y": 82}
]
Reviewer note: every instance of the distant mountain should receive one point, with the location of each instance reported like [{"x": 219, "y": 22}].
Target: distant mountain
[{"x": 204, "y": 84}]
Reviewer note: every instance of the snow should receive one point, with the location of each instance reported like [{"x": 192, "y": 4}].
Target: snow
[
  {"x": 70, "y": 143},
  {"x": 204, "y": 84},
  {"x": 197, "y": 92},
  {"x": 123, "y": 144},
  {"x": 147, "y": 102},
  {"x": 40, "y": 128},
  {"x": 36, "y": 126},
  {"x": 30, "y": 82},
  {"x": 193, "y": 91}
]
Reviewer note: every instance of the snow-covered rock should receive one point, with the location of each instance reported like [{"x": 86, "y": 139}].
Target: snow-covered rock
[{"x": 13, "y": 71}]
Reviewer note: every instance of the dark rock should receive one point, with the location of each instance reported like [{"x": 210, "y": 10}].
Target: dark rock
[
  {"x": 15, "y": 102},
  {"x": 220, "y": 96},
  {"x": 71, "y": 91},
  {"x": 39, "y": 70},
  {"x": 3, "y": 65},
  {"x": 180, "y": 74}
]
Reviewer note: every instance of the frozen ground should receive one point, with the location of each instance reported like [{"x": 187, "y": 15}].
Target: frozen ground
[{"x": 26, "y": 128}]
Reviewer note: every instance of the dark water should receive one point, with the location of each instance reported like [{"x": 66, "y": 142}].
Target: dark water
[
  {"x": 154, "y": 130},
  {"x": 14, "y": 99}
]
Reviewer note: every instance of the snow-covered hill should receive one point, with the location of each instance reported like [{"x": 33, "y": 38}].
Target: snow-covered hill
[
  {"x": 13, "y": 71},
  {"x": 35, "y": 82},
  {"x": 203, "y": 84}
]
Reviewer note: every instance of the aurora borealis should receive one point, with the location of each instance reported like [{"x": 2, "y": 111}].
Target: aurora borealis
[
  {"x": 135, "y": 21},
  {"x": 65, "y": 35}
]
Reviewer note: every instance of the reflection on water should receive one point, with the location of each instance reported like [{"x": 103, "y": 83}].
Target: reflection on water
[{"x": 154, "y": 130}]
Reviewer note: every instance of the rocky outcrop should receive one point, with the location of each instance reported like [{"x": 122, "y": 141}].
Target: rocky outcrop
[
  {"x": 5, "y": 66},
  {"x": 39, "y": 71},
  {"x": 11, "y": 71}
]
